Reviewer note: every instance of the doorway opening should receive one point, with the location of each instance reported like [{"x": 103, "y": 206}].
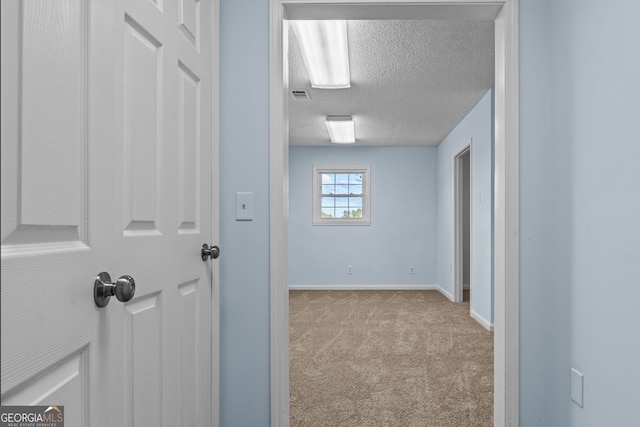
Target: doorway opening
[
  {"x": 506, "y": 228},
  {"x": 462, "y": 224}
]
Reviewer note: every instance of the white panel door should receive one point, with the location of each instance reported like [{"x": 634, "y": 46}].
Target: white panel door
[{"x": 109, "y": 163}]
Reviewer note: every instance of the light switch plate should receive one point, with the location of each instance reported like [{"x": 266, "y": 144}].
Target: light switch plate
[
  {"x": 244, "y": 206},
  {"x": 577, "y": 387}
]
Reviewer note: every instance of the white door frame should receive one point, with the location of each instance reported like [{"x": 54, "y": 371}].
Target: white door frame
[
  {"x": 506, "y": 204},
  {"x": 457, "y": 221},
  {"x": 215, "y": 210}
]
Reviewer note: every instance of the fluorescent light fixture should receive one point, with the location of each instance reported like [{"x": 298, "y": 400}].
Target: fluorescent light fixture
[
  {"x": 325, "y": 52},
  {"x": 341, "y": 129}
]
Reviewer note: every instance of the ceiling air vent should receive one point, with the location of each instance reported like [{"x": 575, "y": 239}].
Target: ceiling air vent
[{"x": 300, "y": 95}]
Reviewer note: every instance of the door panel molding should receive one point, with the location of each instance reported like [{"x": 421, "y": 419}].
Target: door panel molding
[
  {"x": 44, "y": 148},
  {"x": 63, "y": 381},
  {"x": 143, "y": 360}
]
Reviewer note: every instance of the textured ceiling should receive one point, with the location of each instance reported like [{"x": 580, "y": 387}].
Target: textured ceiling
[{"x": 412, "y": 81}]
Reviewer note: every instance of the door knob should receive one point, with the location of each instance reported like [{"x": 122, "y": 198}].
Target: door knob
[
  {"x": 103, "y": 289},
  {"x": 212, "y": 252}
]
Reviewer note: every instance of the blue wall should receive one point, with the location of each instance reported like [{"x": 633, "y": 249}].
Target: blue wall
[
  {"x": 244, "y": 258},
  {"x": 538, "y": 310},
  {"x": 403, "y": 219},
  {"x": 579, "y": 205},
  {"x": 478, "y": 126},
  {"x": 594, "y": 178}
]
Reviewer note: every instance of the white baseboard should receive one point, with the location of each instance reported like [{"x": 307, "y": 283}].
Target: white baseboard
[
  {"x": 484, "y": 322},
  {"x": 372, "y": 288},
  {"x": 446, "y": 293},
  {"x": 409, "y": 287}
]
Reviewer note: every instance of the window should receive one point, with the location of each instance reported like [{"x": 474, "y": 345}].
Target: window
[{"x": 341, "y": 195}]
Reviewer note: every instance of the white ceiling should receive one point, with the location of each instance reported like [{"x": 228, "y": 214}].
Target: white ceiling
[{"x": 412, "y": 81}]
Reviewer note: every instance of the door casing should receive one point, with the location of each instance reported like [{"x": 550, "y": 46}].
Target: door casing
[{"x": 506, "y": 188}]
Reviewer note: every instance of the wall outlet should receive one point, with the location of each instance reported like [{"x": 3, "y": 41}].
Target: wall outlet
[
  {"x": 349, "y": 269},
  {"x": 412, "y": 269}
]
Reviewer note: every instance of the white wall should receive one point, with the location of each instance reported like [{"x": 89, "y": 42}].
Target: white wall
[
  {"x": 477, "y": 125},
  {"x": 403, "y": 220}
]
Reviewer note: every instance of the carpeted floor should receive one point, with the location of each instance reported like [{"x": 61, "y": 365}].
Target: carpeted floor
[{"x": 387, "y": 358}]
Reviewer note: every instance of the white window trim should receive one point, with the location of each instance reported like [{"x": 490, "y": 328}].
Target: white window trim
[{"x": 317, "y": 218}]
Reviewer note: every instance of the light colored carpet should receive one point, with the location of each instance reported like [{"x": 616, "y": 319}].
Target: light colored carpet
[{"x": 387, "y": 358}]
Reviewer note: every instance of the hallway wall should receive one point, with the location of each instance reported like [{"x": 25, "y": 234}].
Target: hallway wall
[
  {"x": 579, "y": 207},
  {"x": 594, "y": 203},
  {"x": 478, "y": 126},
  {"x": 244, "y": 245},
  {"x": 537, "y": 310}
]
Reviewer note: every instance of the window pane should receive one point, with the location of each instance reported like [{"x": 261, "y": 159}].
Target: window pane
[
  {"x": 328, "y": 189},
  {"x": 342, "y": 178},
  {"x": 328, "y": 213},
  {"x": 355, "y": 189},
  {"x": 342, "y": 189},
  {"x": 342, "y": 202},
  {"x": 328, "y": 202},
  {"x": 355, "y": 178},
  {"x": 328, "y": 178},
  {"x": 355, "y": 207}
]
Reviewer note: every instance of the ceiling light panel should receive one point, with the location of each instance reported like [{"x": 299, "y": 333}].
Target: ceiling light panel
[
  {"x": 325, "y": 52},
  {"x": 341, "y": 129}
]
